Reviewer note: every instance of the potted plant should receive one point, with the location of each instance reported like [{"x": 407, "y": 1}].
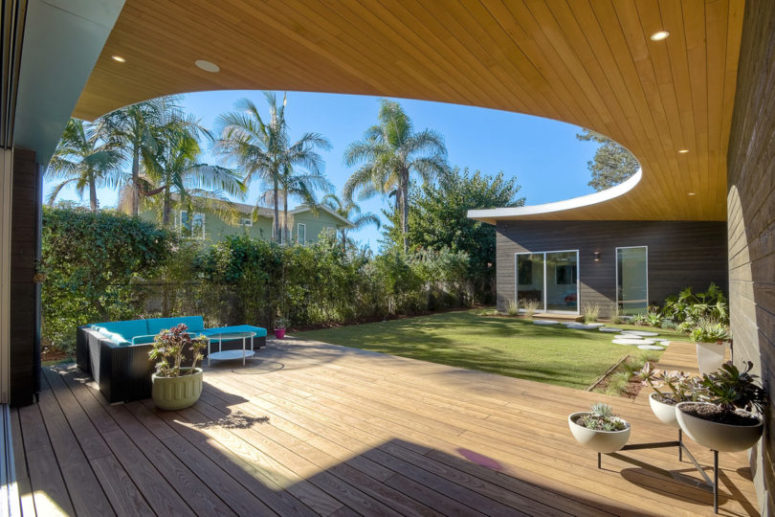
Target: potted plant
[
  {"x": 175, "y": 386},
  {"x": 710, "y": 337},
  {"x": 280, "y": 324},
  {"x": 729, "y": 416},
  {"x": 682, "y": 388},
  {"x": 599, "y": 429}
]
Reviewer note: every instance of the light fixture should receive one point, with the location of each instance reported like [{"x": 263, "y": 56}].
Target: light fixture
[
  {"x": 659, "y": 36},
  {"x": 597, "y": 256},
  {"x": 683, "y": 151},
  {"x": 691, "y": 193},
  {"x": 118, "y": 59},
  {"x": 207, "y": 66}
]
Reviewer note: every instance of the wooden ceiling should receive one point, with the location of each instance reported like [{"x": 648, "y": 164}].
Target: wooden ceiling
[{"x": 587, "y": 62}]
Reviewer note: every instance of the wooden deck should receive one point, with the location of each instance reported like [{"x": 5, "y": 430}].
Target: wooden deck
[{"x": 311, "y": 428}]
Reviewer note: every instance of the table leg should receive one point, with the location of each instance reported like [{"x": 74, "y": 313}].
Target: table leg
[
  {"x": 715, "y": 481},
  {"x": 243, "y": 351}
]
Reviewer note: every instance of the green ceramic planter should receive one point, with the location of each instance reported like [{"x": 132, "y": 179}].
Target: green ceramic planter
[{"x": 172, "y": 393}]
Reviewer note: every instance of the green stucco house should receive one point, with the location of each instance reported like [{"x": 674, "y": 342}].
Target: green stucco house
[{"x": 305, "y": 225}]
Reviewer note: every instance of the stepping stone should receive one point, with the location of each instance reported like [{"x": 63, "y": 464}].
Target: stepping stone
[
  {"x": 580, "y": 326},
  {"x": 650, "y": 347},
  {"x": 596, "y": 325},
  {"x": 662, "y": 342},
  {"x": 634, "y": 341},
  {"x": 609, "y": 329},
  {"x": 545, "y": 322},
  {"x": 627, "y": 342},
  {"x": 642, "y": 333}
]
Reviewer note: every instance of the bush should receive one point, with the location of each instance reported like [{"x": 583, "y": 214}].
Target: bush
[
  {"x": 90, "y": 265},
  {"x": 111, "y": 267},
  {"x": 688, "y": 307},
  {"x": 591, "y": 313}
]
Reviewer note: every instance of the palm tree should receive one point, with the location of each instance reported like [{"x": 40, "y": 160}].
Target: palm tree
[
  {"x": 86, "y": 158},
  {"x": 137, "y": 129},
  {"x": 175, "y": 169},
  {"x": 350, "y": 211},
  {"x": 263, "y": 150},
  {"x": 391, "y": 152}
]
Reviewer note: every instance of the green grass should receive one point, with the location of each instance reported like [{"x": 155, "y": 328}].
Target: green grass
[{"x": 475, "y": 340}]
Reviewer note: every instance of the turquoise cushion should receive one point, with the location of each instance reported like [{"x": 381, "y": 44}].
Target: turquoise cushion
[
  {"x": 127, "y": 329},
  {"x": 194, "y": 324}
]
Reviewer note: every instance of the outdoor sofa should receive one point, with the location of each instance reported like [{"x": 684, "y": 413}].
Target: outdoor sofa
[{"x": 115, "y": 353}]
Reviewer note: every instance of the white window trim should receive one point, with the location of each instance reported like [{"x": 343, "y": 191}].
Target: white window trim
[
  {"x": 543, "y": 293},
  {"x": 616, "y": 271},
  {"x": 298, "y": 233},
  {"x": 204, "y": 224}
]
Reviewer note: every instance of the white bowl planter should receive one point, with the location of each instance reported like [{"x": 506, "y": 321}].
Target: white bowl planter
[
  {"x": 665, "y": 413},
  {"x": 717, "y": 436},
  {"x": 599, "y": 441},
  {"x": 710, "y": 356}
]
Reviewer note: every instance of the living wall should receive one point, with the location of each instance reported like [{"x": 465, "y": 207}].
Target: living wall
[
  {"x": 105, "y": 266},
  {"x": 90, "y": 263}
]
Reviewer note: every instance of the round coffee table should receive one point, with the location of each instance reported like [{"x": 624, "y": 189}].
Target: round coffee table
[{"x": 227, "y": 355}]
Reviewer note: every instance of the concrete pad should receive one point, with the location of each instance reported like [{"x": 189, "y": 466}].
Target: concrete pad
[
  {"x": 609, "y": 329},
  {"x": 545, "y": 322},
  {"x": 650, "y": 347}
]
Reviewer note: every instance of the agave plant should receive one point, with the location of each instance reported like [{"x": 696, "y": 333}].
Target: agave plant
[
  {"x": 683, "y": 387},
  {"x": 602, "y": 418},
  {"x": 730, "y": 388}
]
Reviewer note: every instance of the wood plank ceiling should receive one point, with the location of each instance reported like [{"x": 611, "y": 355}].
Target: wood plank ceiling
[{"x": 587, "y": 62}]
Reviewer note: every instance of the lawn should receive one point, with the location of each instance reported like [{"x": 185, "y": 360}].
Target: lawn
[{"x": 507, "y": 346}]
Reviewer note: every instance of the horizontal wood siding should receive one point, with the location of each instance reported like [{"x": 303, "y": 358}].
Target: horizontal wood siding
[
  {"x": 680, "y": 254},
  {"x": 751, "y": 208}
]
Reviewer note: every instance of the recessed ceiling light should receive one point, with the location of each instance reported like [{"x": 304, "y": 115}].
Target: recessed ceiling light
[
  {"x": 691, "y": 193},
  {"x": 683, "y": 151},
  {"x": 659, "y": 36},
  {"x": 207, "y": 66},
  {"x": 118, "y": 59}
]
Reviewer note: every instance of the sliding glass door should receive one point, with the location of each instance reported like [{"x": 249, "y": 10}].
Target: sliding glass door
[
  {"x": 549, "y": 278},
  {"x": 632, "y": 293}
]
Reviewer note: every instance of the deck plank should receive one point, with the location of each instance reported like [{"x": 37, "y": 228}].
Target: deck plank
[{"x": 315, "y": 429}]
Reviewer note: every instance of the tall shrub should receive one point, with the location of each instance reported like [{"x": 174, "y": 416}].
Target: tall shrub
[{"x": 90, "y": 262}]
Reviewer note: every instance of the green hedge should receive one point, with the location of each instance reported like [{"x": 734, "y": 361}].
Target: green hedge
[
  {"x": 111, "y": 267},
  {"x": 89, "y": 264}
]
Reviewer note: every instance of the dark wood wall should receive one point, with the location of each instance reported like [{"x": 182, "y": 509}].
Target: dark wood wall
[
  {"x": 680, "y": 254},
  {"x": 25, "y": 293},
  {"x": 751, "y": 221}
]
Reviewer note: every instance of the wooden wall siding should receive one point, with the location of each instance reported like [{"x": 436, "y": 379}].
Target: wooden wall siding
[
  {"x": 680, "y": 254},
  {"x": 751, "y": 208},
  {"x": 25, "y": 327}
]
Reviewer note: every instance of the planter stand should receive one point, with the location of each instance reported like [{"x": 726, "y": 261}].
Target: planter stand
[{"x": 681, "y": 450}]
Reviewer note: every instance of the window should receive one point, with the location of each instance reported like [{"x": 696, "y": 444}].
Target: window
[
  {"x": 632, "y": 286},
  {"x": 246, "y": 221},
  {"x": 301, "y": 233},
  {"x": 549, "y": 278},
  {"x": 193, "y": 227}
]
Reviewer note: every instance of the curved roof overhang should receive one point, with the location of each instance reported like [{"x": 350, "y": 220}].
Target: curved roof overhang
[{"x": 588, "y": 63}]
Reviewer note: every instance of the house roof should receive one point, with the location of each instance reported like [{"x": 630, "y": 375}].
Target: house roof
[
  {"x": 588, "y": 63},
  {"x": 323, "y": 208}
]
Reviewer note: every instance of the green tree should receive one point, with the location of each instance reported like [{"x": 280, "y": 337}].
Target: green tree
[
  {"x": 138, "y": 129},
  {"x": 391, "y": 152},
  {"x": 350, "y": 211},
  {"x": 85, "y": 158},
  {"x": 612, "y": 163},
  {"x": 438, "y": 219},
  {"x": 175, "y": 169},
  {"x": 262, "y": 149}
]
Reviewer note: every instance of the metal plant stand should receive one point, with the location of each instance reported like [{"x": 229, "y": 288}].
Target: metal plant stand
[{"x": 681, "y": 450}]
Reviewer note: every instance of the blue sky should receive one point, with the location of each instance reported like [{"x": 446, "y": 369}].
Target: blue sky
[{"x": 544, "y": 155}]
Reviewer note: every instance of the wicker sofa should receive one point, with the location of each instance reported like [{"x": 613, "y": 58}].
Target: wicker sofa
[{"x": 115, "y": 353}]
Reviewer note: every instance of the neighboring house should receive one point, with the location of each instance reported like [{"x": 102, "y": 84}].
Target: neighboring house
[
  {"x": 566, "y": 264},
  {"x": 305, "y": 224}
]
